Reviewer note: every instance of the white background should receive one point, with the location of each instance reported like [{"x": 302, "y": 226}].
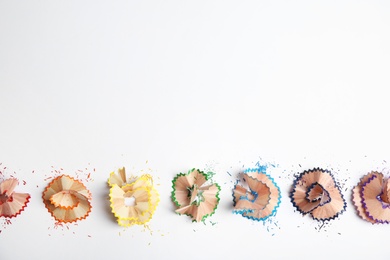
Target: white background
[{"x": 172, "y": 85}]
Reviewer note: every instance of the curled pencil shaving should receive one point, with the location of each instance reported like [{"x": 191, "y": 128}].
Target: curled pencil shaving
[
  {"x": 371, "y": 197},
  {"x": 316, "y": 192},
  {"x": 133, "y": 201},
  {"x": 193, "y": 196},
  {"x": 260, "y": 199},
  {"x": 67, "y": 199},
  {"x": 12, "y": 203}
]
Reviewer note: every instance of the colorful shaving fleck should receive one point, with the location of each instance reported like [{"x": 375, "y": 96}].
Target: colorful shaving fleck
[
  {"x": 84, "y": 174},
  {"x": 258, "y": 196},
  {"x": 371, "y": 197},
  {"x": 316, "y": 192},
  {"x": 133, "y": 201},
  {"x": 193, "y": 196}
]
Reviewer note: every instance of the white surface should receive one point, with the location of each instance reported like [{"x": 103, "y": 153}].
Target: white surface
[{"x": 182, "y": 84}]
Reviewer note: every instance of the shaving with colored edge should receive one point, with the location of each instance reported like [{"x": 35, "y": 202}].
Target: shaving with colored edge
[
  {"x": 316, "y": 192},
  {"x": 67, "y": 199},
  {"x": 193, "y": 196},
  {"x": 12, "y": 203},
  {"x": 133, "y": 201},
  {"x": 371, "y": 197},
  {"x": 257, "y": 197}
]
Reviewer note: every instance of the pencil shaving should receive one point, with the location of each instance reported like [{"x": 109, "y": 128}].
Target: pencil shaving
[
  {"x": 12, "y": 203},
  {"x": 67, "y": 199},
  {"x": 371, "y": 197},
  {"x": 193, "y": 196},
  {"x": 133, "y": 201},
  {"x": 260, "y": 198},
  {"x": 315, "y": 192}
]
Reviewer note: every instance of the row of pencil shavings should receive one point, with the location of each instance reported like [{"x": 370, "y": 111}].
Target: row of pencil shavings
[{"x": 134, "y": 200}]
